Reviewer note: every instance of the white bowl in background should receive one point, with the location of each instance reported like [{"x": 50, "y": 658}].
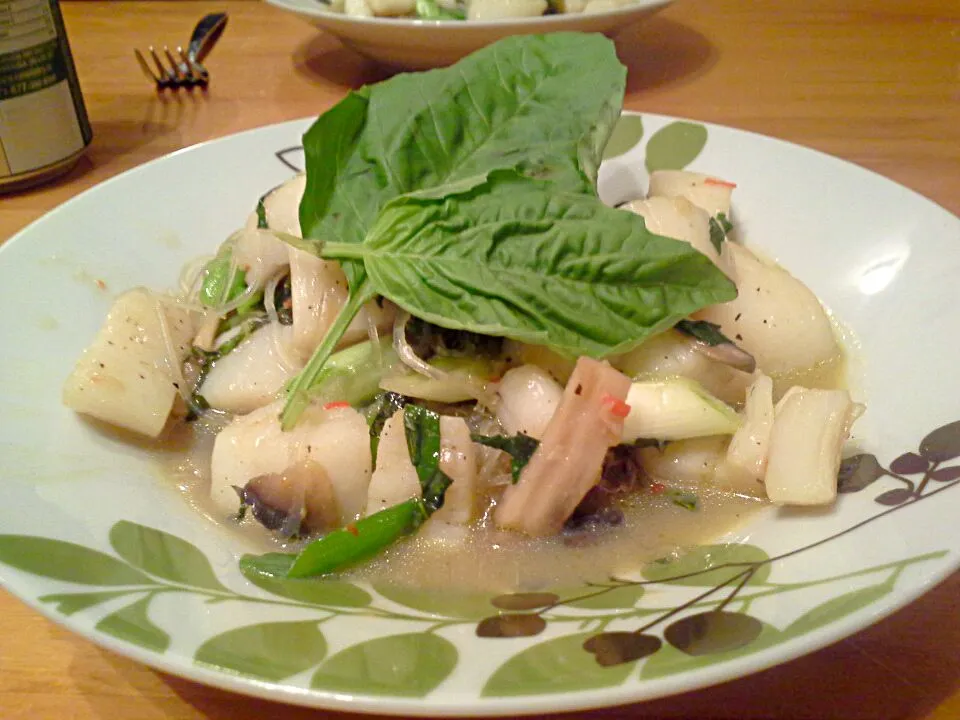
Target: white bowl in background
[{"x": 414, "y": 44}]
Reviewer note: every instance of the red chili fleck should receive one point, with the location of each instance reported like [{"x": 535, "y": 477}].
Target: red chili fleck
[
  {"x": 618, "y": 408},
  {"x": 352, "y": 529},
  {"x": 721, "y": 183},
  {"x": 101, "y": 284},
  {"x": 657, "y": 488},
  {"x": 337, "y": 404},
  {"x": 496, "y": 378}
]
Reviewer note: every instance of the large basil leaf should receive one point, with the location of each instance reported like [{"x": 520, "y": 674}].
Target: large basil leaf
[
  {"x": 497, "y": 108},
  {"x": 515, "y": 258},
  {"x": 336, "y": 178}
]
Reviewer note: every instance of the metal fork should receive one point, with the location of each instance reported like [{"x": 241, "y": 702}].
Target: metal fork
[{"x": 185, "y": 68}]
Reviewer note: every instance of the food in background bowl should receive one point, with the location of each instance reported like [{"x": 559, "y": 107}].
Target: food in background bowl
[{"x": 471, "y": 9}]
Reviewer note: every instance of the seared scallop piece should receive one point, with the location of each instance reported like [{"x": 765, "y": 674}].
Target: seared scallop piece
[{"x": 333, "y": 443}]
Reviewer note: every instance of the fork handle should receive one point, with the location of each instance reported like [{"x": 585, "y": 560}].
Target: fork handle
[{"x": 205, "y": 35}]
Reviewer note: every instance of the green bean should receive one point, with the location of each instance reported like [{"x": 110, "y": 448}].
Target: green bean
[{"x": 359, "y": 541}]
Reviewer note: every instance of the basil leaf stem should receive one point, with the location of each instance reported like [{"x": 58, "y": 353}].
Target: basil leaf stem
[{"x": 298, "y": 395}]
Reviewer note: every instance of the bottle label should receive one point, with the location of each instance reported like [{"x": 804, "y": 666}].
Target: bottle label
[{"x": 42, "y": 118}]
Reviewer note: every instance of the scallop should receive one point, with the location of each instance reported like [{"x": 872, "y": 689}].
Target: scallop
[
  {"x": 334, "y": 440},
  {"x": 810, "y": 428},
  {"x": 672, "y": 354},
  {"x": 677, "y": 218},
  {"x": 706, "y": 192},
  {"x": 130, "y": 374},
  {"x": 775, "y": 317},
  {"x": 395, "y": 478},
  {"x": 528, "y": 397},
  {"x": 253, "y": 373}
]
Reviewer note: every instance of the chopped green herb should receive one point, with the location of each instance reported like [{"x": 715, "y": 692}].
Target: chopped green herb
[
  {"x": 380, "y": 410},
  {"x": 683, "y": 498},
  {"x": 262, "y": 214},
  {"x": 422, "y": 428},
  {"x": 720, "y": 227},
  {"x": 520, "y": 447},
  {"x": 704, "y": 331}
]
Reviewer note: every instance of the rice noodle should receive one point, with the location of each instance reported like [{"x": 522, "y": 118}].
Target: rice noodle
[
  {"x": 270, "y": 305},
  {"x": 492, "y": 469},
  {"x": 172, "y": 354},
  {"x": 206, "y": 336},
  {"x": 373, "y": 333},
  {"x": 191, "y": 277},
  {"x": 225, "y": 337},
  {"x": 270, "y": 296},
  {"x": 406, "y": 354}
]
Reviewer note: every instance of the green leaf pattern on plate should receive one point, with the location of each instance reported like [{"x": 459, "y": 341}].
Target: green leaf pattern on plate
[
  {"x": 556, "y": 665},
  {"x": 60, "y": 560},
  {"x": 332, "y": 593},
  {"x": 131, "y": 623},
  {"x": 452, "y": 605},
  {"x": 269, "y": 651},
  {"x": 70, "y": 603},
  {"x": 675, "y": 146},
  {"x": 709, "y": 565},
  {"x": 163, "y": 555},
  {"x": 596, "y": 635},
  {"x": 626, "y": 135},
  {"x": 407, "y": 665}
]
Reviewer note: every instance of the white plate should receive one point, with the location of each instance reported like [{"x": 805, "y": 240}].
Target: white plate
[
  {"x": 92, "y": 537},
  {"x": 421, "y": 44}
]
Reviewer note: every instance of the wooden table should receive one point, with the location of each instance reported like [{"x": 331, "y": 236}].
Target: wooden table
[{"x": 873, "y": 81}]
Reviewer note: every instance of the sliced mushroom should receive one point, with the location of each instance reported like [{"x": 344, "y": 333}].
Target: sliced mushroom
[
  {"x": 728, "y": 354},
  {"x": 298, "y": 501}
]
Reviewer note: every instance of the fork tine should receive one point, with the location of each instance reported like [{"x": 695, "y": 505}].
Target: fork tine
[
  {"x": 175, "y": 71},
  {"x": 198, "y": 73},
  {"x": 166, "y": 77},
  {"x": 146, "y": 67}
]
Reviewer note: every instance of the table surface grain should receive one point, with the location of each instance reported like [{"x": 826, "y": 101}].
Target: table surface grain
[{"x": 876, "y": 82}]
